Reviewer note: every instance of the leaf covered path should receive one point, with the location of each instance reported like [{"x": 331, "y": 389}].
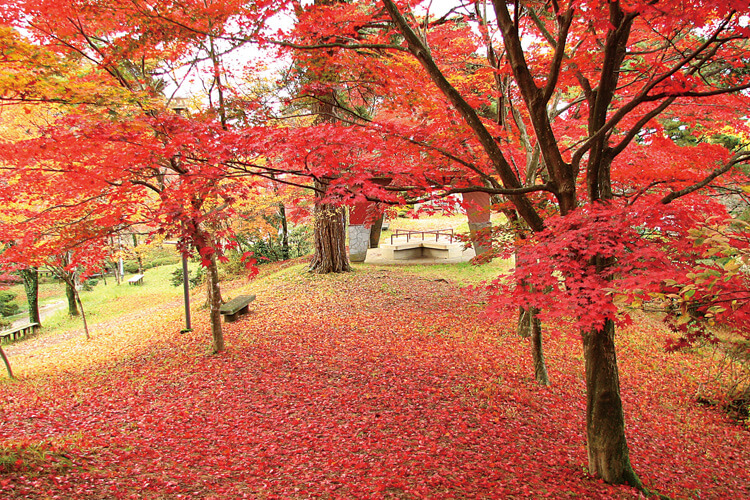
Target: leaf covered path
[{"x": 372, "y": 384}]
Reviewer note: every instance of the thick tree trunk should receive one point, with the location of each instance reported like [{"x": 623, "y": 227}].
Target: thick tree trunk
[
  {"x": 31, "y": 287},
  {"x": 330, "y": 239},
  {"x": 529, "y": 326},
  {"x": 375, "y": 230},
  {"x": 605, "y": 424},
  {"x": 214, "y": 301},
  {"x": 70, "y": 293}
]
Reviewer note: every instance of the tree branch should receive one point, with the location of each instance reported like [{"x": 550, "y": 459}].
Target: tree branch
[
  {"x": 422, "y": 53},
  {"x": 740, "y": 157}
]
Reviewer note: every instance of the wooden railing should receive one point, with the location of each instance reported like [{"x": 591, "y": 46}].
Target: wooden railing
[{"x": 409, "y": 233}]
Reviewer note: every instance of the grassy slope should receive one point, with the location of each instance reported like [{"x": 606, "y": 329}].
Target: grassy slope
[
  {"x": 377, "y": 383},
  {"x": 103, "y": 301}
]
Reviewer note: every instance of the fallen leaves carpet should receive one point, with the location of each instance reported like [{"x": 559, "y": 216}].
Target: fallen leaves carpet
[{"x": 371, "y": 384}]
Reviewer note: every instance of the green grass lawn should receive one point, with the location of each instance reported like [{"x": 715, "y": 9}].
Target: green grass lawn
[{"x": 103, "y": 301}]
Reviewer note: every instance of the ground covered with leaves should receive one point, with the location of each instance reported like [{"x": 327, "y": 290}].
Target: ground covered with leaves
[{"x": 372, "y": 384}]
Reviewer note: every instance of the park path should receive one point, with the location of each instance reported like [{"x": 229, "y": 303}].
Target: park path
[
  {"x": 43, "y": 340},
  {"x": 45, "y": 311}
]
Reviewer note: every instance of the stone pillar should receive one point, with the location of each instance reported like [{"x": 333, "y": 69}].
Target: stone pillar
[
  {"x": 359, "y": 233},
  {"x": 359, "y": 241},
  {"x": 477, "y": 206}
]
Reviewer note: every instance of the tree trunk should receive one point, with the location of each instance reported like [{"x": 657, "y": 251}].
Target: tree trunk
[
  {"x": 214, "y": 301},
  {"x": 285, "y": 254},
  {"x": 31, "y": 287},
  {"x": 523, "y": 329},
  {"x": 529, "y": 326},
  {"x": 137, "y": 254},
  {"x": 375, "y": 230},
  {"x": 115, "y": 269},
  {"x": 70, "y": 293},
  {"x": 7, "y": 363},
  {"x": 329, "y": 237},
  {"x": 605, "y": 424},
  {"x": 83, "y": 314}
]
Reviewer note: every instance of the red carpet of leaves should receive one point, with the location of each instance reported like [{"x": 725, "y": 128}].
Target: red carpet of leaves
[{"x": 373, "y": 384}]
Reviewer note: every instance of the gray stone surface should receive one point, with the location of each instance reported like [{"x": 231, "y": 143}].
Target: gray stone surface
[
  {"x": 474, "y": 228},
  {"x": 359, "y": 241}
]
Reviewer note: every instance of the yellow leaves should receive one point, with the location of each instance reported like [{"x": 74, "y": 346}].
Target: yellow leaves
[
  {"x": 24, "y": 121},
  {"x": 732, "y": 265},
  {"x": 683, "y": 319}
]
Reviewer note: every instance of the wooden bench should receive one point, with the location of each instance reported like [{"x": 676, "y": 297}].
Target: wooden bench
[
  {"x": 136, "y": 280},
  {"x": 18, "y": 332},
  {"x": 236, "y": 307}
]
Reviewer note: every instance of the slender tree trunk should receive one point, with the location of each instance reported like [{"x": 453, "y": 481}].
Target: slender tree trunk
[
  {"x": 7, "y": 363},
  {"x": 523, "y": 329},
  {"x": 31, "y": 287},
  {"x": 605, "y": 424},
  {"x": 83, "y": 314},
  {"x": 137, "y": 254},
  {"x": 529, "y": 326},
  {"x": 537, "y": 351},
  {"x": 330, "y": 238},
  {"x": 214, "y": 300},
  {"x": 70, "y": 293},
  {"x": 285, "y": 254}
]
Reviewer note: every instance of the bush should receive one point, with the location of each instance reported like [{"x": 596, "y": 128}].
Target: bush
[
  {"x": 162, "y": 261},
  {"x": 89, "y": 284},
  {"x": 194, "y": 278},
  {"x": 7, "y": 308},
  {"x": 130, "y": 266},
  {"x": 269, "y": 249}
]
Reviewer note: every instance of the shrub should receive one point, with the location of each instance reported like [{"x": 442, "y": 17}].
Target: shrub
[
  {"x": 130, "y": 266},
  {"x": 89, "y": 284},
  {"x": 162, "y": 261},
  {"x": 195, "y": 278},
  {"x": 269, "y": 249},
  {"x": 7, "y": 308}
]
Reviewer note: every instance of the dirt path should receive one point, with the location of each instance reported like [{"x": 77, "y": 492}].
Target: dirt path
[
  {"x": 45, "y": 311},
  {"x": 43, "y": 340}
]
